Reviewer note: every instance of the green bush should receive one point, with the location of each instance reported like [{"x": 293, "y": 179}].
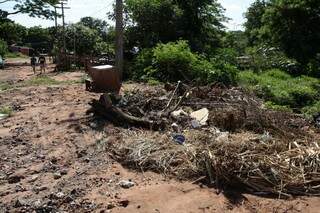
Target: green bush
[
  {"x": 282, "y": 89},
  {"x": 3, "y": 47},
  {"x": 175, "y": 61},
  {"x": 273, "y": 106},
  {"x": 141, "y": 64},
  {"x": 264, "y": 58},
  {"x": 311, "y": 110}
]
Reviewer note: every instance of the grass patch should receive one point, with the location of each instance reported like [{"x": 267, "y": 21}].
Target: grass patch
[
  {"x": 282, "y": 91},
  {"x": 5, "y": 86},
  {"x": 6, "y": 110},
  {"x": 15, "y": 55},
  {"x": 153, "y": 82},
  {"x": 273, "y": 106},
  {"x": 41, "y": 80}
]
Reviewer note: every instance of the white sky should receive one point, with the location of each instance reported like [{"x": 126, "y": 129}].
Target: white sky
[{"x": 99, "y": 8}]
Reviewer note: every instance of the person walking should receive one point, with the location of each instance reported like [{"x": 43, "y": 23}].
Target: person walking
[
  {"x": 42, "y": 62},
  {"x": 33, "y": 62}
]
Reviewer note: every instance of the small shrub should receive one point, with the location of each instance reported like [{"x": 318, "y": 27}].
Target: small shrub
[
  {"x": 3, "y": 47},
  {"x": 141, "y": 64},
  {"x": 175, "y": 61},
  {"x": 311, "y": 110},
  {"x": 273, "y": 106},
  {"x": 248, "y": 78},
  {"x": 6, "y": 110},
  {"x": 153, "y": 82}
]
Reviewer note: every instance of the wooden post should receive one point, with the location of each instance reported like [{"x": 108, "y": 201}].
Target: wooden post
[
  {"x": 119, "y": 37},
  {"x": 63, "y": 29}
]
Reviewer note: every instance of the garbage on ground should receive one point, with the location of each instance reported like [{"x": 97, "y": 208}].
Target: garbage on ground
[
  {"x": 126, "y": 184},
  {"x": 230, "y": 137},
  {"x": 179, "y": 138},
  {"x": 175, "y": 127},
  {"x": 201, "y": 116},
  {"x": 178, "y": 113}
]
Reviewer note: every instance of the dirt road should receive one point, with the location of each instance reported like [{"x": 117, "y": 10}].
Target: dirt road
[{"x": 54, "y": 159}]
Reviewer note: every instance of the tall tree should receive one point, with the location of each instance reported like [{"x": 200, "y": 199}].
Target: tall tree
[
  {"x": 254, "y": 22},
  {"x": 291, "y": 25},
  {"x": 12, "y": 33},
  {"x": 154, "y": 21},
  {"x": 99, "y": 25},
  {"x": 294, "y": 25},
  {"x": 39, "y": 39},
  {"x": 82, "y": 39},
  {"x": 35, "y": 8}
]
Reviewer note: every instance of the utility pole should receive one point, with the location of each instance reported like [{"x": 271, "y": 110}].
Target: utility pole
[
  {"x": 63, "y": 27},
  {"x": 119, "y": 37},
  {"x": 62, "y": 58},
  {"x": 55, "y": 18}
]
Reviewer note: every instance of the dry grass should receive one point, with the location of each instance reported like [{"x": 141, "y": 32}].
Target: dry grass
[
  {"x": 284, "y": 162},
  {"x": 259, "y": 163}
]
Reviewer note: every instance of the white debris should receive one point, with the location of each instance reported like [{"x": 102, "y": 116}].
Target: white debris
[
  {"x": 201, "y": 116},
  {"x": 126, "y": 184},
  {"x": 178, "y": 113}
]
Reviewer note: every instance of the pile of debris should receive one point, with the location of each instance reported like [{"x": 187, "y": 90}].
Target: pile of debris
[
  {"x": 224, "y": 136},
  {"x": 185, "y": 107}
]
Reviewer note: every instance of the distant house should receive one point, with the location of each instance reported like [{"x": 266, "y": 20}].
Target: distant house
[{"x": 20, "y": 49}]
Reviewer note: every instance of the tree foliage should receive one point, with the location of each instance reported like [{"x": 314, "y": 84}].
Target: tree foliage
[
  {"x": 154, "y": 21},
  {"x": 292, "y": 25},
  {"x": 254, "y": 23},
  {"x": 85, "y": 40},
  {"x": 175, "y": 61},
  {"x": 35, "y": 8},
  {"x": 295, "y": 26},
  {"x": 12, "y": 33},
  {"x": 39, "y": 39},
  {"x": 101, "y": 26}
]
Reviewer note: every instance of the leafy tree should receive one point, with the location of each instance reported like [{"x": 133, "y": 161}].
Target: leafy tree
[
  {"x": 254, "y": 23},
  {"x": 202, "y": 23},
  {"x": 96, "y": 24},
  {"x": 154, "y": 21},
  {"x": 39, "y": 39},
  {"x": 236, "y": 40},
  {"x": 175, "y": 61},
  {"x": 82, "y": 39},
  {"x": 12, "y": 33},
  {"x": 294, "y": 25},
  {"x": 35, "y": 8}
]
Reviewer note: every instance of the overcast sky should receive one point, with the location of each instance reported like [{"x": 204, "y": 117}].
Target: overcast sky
[{"x": 99, "y": 8}]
